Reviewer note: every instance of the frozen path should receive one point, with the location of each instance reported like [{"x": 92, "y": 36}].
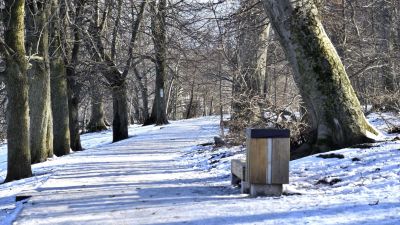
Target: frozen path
[
  {"x": 136, "y": 181},
  {"x": 157, "y": 177}
]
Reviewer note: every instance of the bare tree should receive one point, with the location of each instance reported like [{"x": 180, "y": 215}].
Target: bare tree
[
  {"x": 58, "y": 84},
  {"x": 158, "y": 29},
  {"x": 71, "y": 59},
  {"x": 115, "y": 78}
]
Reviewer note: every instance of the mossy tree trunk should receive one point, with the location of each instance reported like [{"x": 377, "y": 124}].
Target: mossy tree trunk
[
  {"x": 37, "y": 44},
  {"x": 58, "y": 84},
  {"x": 13, "y": 50},
  {"x": 332, "y": 104}
]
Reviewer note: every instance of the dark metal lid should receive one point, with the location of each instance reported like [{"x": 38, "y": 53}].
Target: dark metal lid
[{"x": 267, "y": 133}]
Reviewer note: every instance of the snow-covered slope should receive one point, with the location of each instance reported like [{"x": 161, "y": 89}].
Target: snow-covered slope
[{"x": 163, "y": 176}]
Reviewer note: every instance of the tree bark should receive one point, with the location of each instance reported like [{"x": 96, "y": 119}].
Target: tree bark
[
  {"x": 142, "y": 86},
  {"x": 37, "y": 35},
  {"x": 158, "y": 113},
  {"x": 120, "y": 111},
  {"x": 189, "y": 113},
  {"x": 59, "y": 90},
  {"x": 74, "y": 87},
  {"x": 330, "y": 100},
  {"x": 97, "y": 117},
  {"x": 19, "y": 158},
  {"x": 73, "y": 111},
  {"x": 387, "y": 35},
  {"x": 59, "y": 102}
]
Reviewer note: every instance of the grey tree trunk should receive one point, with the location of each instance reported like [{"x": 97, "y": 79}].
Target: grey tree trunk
[
  {"x": 158, "y": 26},
  {"x": 97, "y": 117},
  {"x": 73, "y": 85},
  {"x": 326, "y": 90},
  {"x": 120, "y": 112},
  {"x": 142, "y": 86},
  {"x": 73, "y": 111},
  {"x": 59, "y": 103},
  {"x": 387, "y": 35},
  {"x": 13, "y": 50},
  {"x": 37, "y": 34},
  {"x": 58, "y": 84}
]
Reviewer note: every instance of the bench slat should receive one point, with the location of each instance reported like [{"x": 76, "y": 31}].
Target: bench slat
[{"x": 238, "y": 168}]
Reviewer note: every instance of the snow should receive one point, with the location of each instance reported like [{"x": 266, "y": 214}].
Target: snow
[{"x": 163, "y": 175}]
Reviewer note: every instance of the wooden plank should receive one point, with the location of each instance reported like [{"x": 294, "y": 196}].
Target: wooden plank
[
  {"x": 280, "y": 160},
  {"x": 256, "y": 160}
]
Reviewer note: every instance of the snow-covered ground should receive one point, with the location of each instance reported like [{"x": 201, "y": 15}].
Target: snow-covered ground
[{"x": 161, "y": 175}]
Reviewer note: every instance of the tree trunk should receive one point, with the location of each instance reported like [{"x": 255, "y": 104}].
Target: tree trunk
[
  {"x": 73, "y": 107},
  {"x": 50, "y": 137},
  {"x": 59, "y": 103},
  {"x": 40, "y": 112},
  {"x": 73, "y": 85},
  {"x": 97, "y": 117},
  {"x": 158, "y": 113},
  {"x": 120, "y": 111},
  {"x": 387, "y": 39},
  {"x": 58, "y": 85},
  {"x": 331, "y": 102},
  {"x": 37, "y": 36},
  {"x": 142, "y": 86},
  {"x": 211, "y": 106},
  {"x": 19, "y": 158},
  {"x": 190, "y": 105},
  {"x": 73, "y": 113}
]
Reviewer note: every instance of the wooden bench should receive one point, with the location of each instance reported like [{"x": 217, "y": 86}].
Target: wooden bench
[
  {"x": 238, "y": 174},
  {"x": 266, "y": 167},
  {"x": 238, "y": 171}
]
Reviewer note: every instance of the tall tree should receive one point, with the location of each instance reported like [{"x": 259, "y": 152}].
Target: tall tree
[
  {"x": 16, "y": 79},
  {"x": 141, "y": 79},
  {"x": 58, "y": 84},
  {"x": 73, "y": 84},
  {"x": 110, "y": 71},
  {"x": 37, "y": 47},
  {"x": 332, "y": 104},
  {"x": 158, "y": 29},
  {"x": 387, "y": 34}
]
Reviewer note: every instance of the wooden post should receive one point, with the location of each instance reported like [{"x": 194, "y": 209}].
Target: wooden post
[{"x": 267, "y": 160}]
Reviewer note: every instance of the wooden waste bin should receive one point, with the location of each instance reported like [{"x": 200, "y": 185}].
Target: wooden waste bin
[{"x": 267, "y": 161}]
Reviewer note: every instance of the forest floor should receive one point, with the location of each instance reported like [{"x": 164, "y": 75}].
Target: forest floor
[{"x": 163, "y": 175}]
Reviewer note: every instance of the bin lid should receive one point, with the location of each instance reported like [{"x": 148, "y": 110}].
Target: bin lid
[{"x": 267, "y": 133}]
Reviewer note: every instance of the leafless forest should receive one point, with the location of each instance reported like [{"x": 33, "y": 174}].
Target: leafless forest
[{"x": 69, "y": 67}]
